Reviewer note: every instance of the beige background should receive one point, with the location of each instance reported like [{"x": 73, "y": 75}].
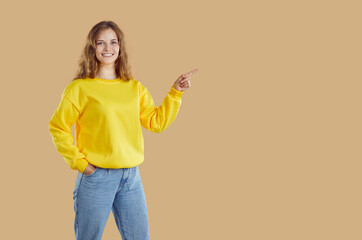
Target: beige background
[{"x": 267, "y": 143}]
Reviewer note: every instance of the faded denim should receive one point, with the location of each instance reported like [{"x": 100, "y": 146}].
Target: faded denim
[{"x": 119, "y": 190}]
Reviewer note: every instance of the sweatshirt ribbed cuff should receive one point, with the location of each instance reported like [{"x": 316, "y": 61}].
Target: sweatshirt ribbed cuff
[
  {"x": 175, "y": 93},
  {"x": 81, "y": 165}
]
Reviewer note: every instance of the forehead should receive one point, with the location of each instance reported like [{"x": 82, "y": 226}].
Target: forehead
[{"x": 106, "y": 34}]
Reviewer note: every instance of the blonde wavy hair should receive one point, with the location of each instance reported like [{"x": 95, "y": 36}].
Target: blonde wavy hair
[{"x": 89, "y": 65}]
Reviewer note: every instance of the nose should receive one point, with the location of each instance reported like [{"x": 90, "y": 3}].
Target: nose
[{"x": 107, "y": 47}]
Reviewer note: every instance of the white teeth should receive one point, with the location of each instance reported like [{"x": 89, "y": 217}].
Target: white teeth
[{"x": 107, "y": 55}]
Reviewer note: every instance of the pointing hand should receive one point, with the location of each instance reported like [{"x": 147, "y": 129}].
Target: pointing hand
[{"x": 183, "y": 82}]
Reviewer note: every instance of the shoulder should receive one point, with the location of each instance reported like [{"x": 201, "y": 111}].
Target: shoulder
[
  {"x": 75, "y": 83},
  {"x": 134, "y": 81},
  {"x": 73, "y": 88},
  {"x": 136, "y": 84}
]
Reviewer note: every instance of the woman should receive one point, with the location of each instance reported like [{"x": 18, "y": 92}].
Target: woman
[{"x": 108, "y": 107}]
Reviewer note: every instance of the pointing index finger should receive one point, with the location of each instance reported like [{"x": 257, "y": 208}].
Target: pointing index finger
[{"x": 192, "y": 72}]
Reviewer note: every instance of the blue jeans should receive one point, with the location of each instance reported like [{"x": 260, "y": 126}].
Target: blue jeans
[{"x": 106, "y": 189}]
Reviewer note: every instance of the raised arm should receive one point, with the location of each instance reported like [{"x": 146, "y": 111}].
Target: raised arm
[{"x": 157, "y": 119}]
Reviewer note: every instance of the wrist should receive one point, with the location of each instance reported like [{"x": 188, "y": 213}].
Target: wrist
[{"x": 176, "y": 93}]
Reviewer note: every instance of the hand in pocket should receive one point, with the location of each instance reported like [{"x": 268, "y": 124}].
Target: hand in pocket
[{"x": 89, "y": 169}]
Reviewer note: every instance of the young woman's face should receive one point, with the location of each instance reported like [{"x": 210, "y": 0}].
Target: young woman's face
[{"x": 107, "y": 47}]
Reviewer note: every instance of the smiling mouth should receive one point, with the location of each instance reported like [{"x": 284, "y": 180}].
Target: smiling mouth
[{"x": 107, "y": 54}]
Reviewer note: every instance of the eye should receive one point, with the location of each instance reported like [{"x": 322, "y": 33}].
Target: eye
[
  {"x": 115, "y": 42},
  {"x": 99, "y": 43}
]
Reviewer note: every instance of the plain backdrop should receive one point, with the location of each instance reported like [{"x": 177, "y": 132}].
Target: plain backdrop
[{"x": 267, "y": 143}]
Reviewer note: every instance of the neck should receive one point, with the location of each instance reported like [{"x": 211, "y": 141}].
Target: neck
[{"x": 107, "y": 72}]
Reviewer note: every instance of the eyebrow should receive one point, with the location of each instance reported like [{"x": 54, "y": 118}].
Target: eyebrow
[{"x": 103, "y": 40}]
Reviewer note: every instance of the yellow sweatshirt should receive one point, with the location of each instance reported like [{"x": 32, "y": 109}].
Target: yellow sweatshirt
[{"x": 108, "y": 115}]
